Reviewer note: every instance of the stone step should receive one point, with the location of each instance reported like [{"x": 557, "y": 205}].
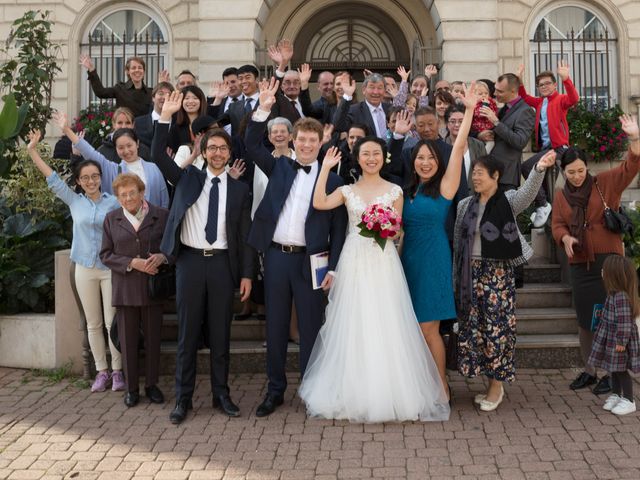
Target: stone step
[
  {"x": 541, "y": 321},
  {"x": 248, "y": 356},
  {"x": 541, "y": 295},
  {"x": 250, "y": 329},
  {"x": 542, "y": 273}
]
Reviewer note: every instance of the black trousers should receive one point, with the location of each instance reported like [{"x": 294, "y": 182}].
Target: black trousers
[
  {"x": 284, "y": 281},
  {"x": 130, "y": 320},
  {"x": 204, "y": 293}
]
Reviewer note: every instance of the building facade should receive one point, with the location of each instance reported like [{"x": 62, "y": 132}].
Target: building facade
[{"x": 468, "y": 39}]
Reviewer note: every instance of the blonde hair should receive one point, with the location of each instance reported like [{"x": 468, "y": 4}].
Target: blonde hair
[{"x": 122, "y": 111}]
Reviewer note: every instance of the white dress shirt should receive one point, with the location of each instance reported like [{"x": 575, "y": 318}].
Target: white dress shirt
[
  {"x": 290, "y": 227},
  {"x": 192, "y": 233},
  {"x": 374, "y": 115}
]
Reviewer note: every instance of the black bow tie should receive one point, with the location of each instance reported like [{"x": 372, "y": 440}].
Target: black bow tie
[{"x": 298, "y": 166}]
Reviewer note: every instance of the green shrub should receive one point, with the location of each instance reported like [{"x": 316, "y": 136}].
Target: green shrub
[{"x": 596, "y": 129}]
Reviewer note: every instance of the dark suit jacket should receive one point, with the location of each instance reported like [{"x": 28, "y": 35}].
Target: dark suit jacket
[
  {"x": 144, "y": 129},
  {"x": 512, "y": 134},
  {"x": 233, "y": 116},
  {"x": 284, "y": 108},
  {"x": 347, "y": 114},
  {"x": 121, "y": 243},
  {"x": 188, "y": 185},
  {"x": 477, "y": 149},
  {"x": 324, "y": 229},
  {"x": 321, "y": 109}
]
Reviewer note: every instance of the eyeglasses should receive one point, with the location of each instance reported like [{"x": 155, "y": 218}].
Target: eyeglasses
[
  {"x": 216, "y": 148},
  {"x": 544, "y": 84},
  {"x": 128, "y": 195},
  {"x": 85, "y": 178}
]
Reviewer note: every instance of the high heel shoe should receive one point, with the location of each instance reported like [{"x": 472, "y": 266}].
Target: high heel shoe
[{"x": 488, "y": 406}]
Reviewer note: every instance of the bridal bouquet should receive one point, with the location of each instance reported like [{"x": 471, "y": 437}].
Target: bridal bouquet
[{"x": 380, "y": 223}]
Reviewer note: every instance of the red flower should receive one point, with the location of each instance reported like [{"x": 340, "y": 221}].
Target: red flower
[
  {"x": 603, "y": 148},
  {"x": 376, "y": 227},
  {"x": 384, "y": 233}
]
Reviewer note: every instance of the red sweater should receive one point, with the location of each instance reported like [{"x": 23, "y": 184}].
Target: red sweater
[{"x": 557, "y": 109}]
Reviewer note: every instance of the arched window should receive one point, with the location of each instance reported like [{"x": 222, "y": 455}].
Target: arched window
[
  {"x": 118, "y": 35},
  {"x": 586, "y": 40}
]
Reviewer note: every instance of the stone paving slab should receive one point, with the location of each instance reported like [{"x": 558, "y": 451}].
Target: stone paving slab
[{"x": 542, "y": 431}]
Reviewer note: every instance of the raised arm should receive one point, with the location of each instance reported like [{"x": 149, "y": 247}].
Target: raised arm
[
  {"x": 170, "y": 170},
  {"x": 451, "y": 179},
  {"x": 254, "y": 136},
  {"x": 322, "y": 201},
  {"x": 527, "y": 192},
  {"x": 96, "y": 84},
  {"x": 34, "y": 138}
]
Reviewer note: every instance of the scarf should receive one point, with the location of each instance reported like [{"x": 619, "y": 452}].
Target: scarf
[
  {"x": 500, "y": 241},
  {"x": 578, "y": 199}
]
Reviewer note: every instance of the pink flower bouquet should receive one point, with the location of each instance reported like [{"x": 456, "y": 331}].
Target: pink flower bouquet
[{"x": 380, "y": 223}]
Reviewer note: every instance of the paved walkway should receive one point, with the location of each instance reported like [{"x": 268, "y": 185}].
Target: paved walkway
[{"x": 542, "y": 431}]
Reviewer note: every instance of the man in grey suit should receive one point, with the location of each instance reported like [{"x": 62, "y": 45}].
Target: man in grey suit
[
  {"x": 512, "y": 130},
  {"x": 372, "y": 111}
]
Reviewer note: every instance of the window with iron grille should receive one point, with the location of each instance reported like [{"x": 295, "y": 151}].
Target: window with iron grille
[
  {"x": 587, "y": 41},
  {"x": 118, "y": 35}
]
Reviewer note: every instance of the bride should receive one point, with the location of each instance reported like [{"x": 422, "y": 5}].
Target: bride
[{"x": 370, "y": 362}]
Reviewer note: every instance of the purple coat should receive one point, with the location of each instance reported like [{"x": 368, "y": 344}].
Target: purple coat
[{"x": 617, "y": 327}]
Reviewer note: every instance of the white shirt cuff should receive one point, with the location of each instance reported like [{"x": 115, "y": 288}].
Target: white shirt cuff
[
  {"x": 397, "y": 136},
  {"x": 348, "y": 98},
  {"x": 167, "y": 122},
  {"x": 279, "y": 74},
  {"x": 260, "y": 115},
  {"x": 332, "y": 273}
]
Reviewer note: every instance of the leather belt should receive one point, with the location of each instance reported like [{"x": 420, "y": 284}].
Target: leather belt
[
  {"x": 289, "y": 248},
  {"x": 205, "y": 252}
]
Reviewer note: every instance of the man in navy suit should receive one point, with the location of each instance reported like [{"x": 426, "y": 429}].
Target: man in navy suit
[
  {"x": 207, "y": 231},
  {"x": 372, "y": 111},
  {"x": 288, "y": 230}
]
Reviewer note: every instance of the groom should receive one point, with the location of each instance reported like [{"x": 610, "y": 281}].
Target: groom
[{"x": 287, "y": 229}]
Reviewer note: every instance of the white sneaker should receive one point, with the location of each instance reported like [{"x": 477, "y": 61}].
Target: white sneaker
[
  {"x": 623, "y": 407},
  {"x": 611, "y": 402},
  {"x": 541, "y": 216}
]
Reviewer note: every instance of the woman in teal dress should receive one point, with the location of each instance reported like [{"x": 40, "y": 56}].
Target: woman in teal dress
[{"x": 426, "y": 255}]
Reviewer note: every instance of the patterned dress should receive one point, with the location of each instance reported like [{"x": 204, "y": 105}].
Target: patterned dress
[{"x": 617, "y": 327}]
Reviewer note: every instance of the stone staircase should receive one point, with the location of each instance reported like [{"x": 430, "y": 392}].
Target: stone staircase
[{"x": 547, "y": 331}]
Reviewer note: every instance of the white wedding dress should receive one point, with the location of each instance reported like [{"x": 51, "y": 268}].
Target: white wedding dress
[{"x": 370, "y": 362}]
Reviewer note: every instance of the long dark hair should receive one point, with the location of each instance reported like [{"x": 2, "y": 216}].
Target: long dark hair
[
  {"x": 181, "y": 117},
  {"x": 431, "y": 187},
  {"x": 619, "y": 275},
  {"x": 75, "y": 173}
]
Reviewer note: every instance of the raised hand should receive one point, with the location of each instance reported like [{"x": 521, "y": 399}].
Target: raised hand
[
  {"x": 629, "y": 125},
  {"x": 327, "y": 131},
  {"x": 331, "y": 158},
  {"x": 286, "y": 50},
  {"x": 392, "y": 90},
  {"x": 268, "y": 90},
  {"x": 237, "y": 169},
  {"x": 274, "y": 54},
  {"x": 404, "y": 74},
  {"x": 164, "y": 76},
  {"x": 425, "y": 91},
  {"x": 60, "y": 120},
  {"x": 305, "y": 75},
  {"x": 489, "y": 114},
  {"x": 520, "y": 71},
  {"x": 366, "y": 72},
  {"x": 74, "y": 150},
  {"x": 430, "y": 71},
  {"x": 470, "y": 99},
  {"x": 563, "y": 70},
  {"x": 34, "y": 137},
  {"x": 404, "y": 122},
  {"x": 85, "y": 61},
  {"x": 348, "y": 85},
  {"x": 547, "y": 160},
  {"x": 172, "y": 104},
  {"x": 218, "y": 89}
]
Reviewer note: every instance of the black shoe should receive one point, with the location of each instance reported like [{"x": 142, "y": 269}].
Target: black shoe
[
  {"x": 226, "y": 405},
  {"x": 269, "y": 404},
  {"x": 603, "y": 386},
  {"x": 154, "y": 394},
  {"x": 179, "y": 413},
  {"x": 131, "y": 399},
  {"x": 583, "y": 380},
  {"x": 242, "y": 316}
]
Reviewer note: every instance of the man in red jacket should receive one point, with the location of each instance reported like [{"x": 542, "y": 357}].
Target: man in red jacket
[{"x": 552, "y": 130}]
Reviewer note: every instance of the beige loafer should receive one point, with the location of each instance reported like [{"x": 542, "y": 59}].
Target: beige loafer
[{"x": 487, "y": 406}]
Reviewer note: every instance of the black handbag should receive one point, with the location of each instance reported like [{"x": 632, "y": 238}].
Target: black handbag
[
  {"x": 162, "y": 285},
  {"x": 617, "y": 222}
]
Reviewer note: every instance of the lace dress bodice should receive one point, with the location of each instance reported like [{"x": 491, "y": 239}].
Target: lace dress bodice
[{"x": 356, "y": 206}]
